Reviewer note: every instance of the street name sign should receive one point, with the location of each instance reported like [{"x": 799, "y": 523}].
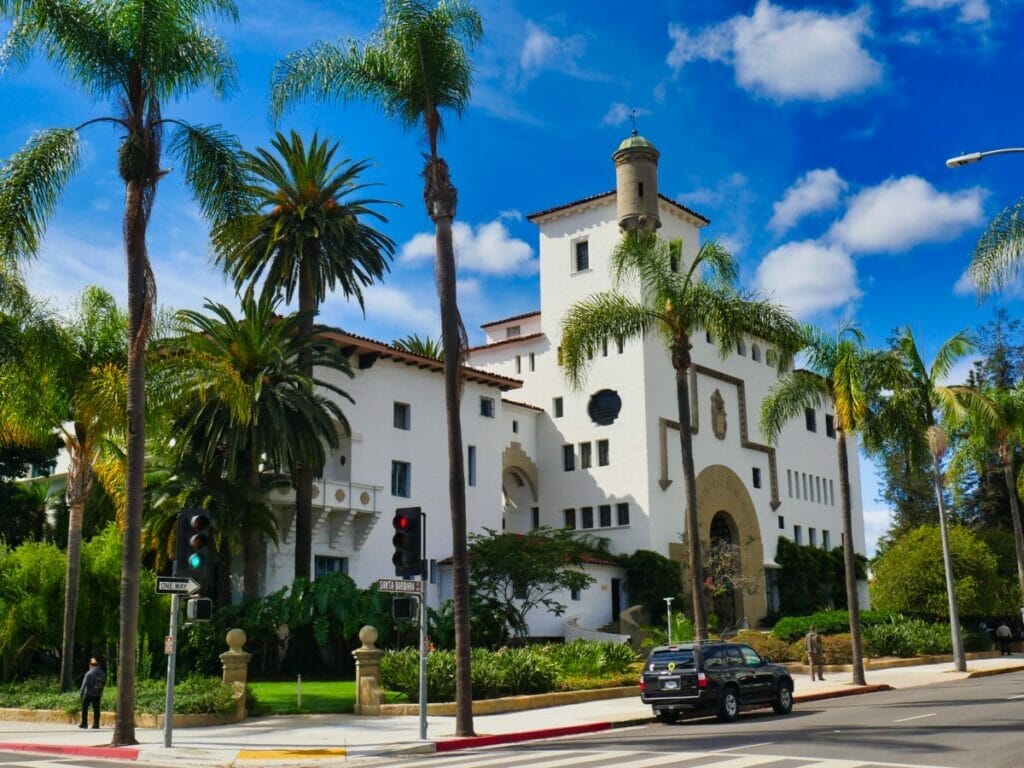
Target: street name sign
[
  {"x": 403, "y": 586},
  {"x": 176, "y": 585}
]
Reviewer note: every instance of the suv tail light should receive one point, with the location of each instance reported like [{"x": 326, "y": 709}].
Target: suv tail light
[
  {"x": 643, "y": 685},
  {"x": 702, "y": 680}
]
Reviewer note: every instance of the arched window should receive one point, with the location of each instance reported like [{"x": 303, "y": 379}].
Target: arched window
[
  {"x": 741, "y": 347},
  {"x": 755, "y": 353}
]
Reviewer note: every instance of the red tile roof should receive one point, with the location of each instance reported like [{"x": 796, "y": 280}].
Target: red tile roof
[
  {"x": 512, "y": 340},
  {"x": 591, "y": 198},
  {"x": 510, "y": 319}
]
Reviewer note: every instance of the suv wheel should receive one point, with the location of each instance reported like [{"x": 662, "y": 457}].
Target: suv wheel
[
  {"x": 729, "y": 708},
  {"x": 668, "y": 718},
  {"x": 783, "y": 703}
]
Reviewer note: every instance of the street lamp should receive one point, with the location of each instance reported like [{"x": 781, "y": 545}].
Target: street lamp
[
  {"x": 668, "y": 602},
  {"x": 937, "y": 445},
  {"x": 974, "y": 157}
]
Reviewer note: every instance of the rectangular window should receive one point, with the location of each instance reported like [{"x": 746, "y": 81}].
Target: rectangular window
[
  {"x": 817, "y": 488},
  {"x": 675, "y": 252},
  {"x": 604, "y": 348},
  {"x": 622, "y": 513},
  {"x": 400, "y": 480},
  {"x": 568, "y": 458},
  {"x": 602, "y": 453},
  {"x": 831, "y": 494},
  {"x": 433, "y": 570},
  {"x": 519, "y": 364},
  {"x": 534, "y": 518},
  {"x": 782, "y": 523},
  {"x": 471, "y": 464},
  {"x": 789, "y": 482},
  {"x": 569, "y": 518},
  {"x": 830, "y": 425},
  {"x": 322, "y": 565},
  {"x": 618, "y": 345},
  {"x": 574, "y": 594},
  {"x": 515, "y": 427},
  {"x": 826, "y": 539},
  {"x": 584, "y": 455},
  {"x": 556, "y": 406},
  {"x": 812, "y": 537},
  {"x": 559, "y": 355},
  {"x": 757, "y": 477},
  {"x": 533, "y": 358},
  {"x": 403, "y": 417},
  {"x": 586, "y": 517},
  {"x": 796, "y": 476},
  {"x": 806, "y": 495},
  {"x": 798, "y": 534},
  {"x": 771, "y": 589},
  {"x": 487, "y": 407},
  {"x": 512, "y": 331},
  {"x": 811, "y": 419},
  {"x": 582, "y": 255},
  {"x": 604, "y": 515}
]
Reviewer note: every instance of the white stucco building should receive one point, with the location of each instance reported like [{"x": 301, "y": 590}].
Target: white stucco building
[{"x": 604, "y": 460}]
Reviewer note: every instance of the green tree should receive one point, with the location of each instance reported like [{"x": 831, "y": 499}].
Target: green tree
[
  {"x": 520, "y": 572},
  {"x": 842, "y": 372},
  {"x": 675, "y": 305},
  {"x": 909, "y": 574},
  {"x": 139, "y": 55},
  {"x": 650, "y": 578},
  {"x": 66, "y": 378},
  {"x": 245, "y": 402},
  {"x": 425, "y": 347},
  {"x": 415, "y": 67},
  {"x": 308, "y": 236}
]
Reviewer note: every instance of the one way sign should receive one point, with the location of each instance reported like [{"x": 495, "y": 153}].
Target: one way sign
[{"x": 176, "y": 585}]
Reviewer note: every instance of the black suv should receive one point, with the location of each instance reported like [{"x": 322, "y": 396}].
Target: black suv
[{"x": 712, "y": 677}]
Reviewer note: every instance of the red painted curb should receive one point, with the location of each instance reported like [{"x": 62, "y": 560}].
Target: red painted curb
[
  {"x": 468, "y": 742},
  {"x": 125, "y": 753},
  {"x": 841, "y": 692}
]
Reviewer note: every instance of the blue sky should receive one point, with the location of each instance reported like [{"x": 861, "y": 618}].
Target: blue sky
[{"x": 812, "y": 135}]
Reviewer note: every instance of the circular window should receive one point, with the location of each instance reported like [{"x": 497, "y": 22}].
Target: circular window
[{"x": 604, "y": 407}]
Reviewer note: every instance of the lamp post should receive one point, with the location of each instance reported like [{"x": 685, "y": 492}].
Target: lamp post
[
  {"x": 974, "y": 157},
  {"x": 668, "y": 602},
  {"x": 937, "y": 444}
]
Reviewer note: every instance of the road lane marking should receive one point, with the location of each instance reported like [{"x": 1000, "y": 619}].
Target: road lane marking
[
  {"x": 915, "y": 717},
  {"x": 1018, "y": 696},
  {"x": 744, "y": 746}
]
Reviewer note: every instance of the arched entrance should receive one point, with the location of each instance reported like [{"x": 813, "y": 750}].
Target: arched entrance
[
  {"x": 518, "y": 490},
  {"x": 721, "y": 557}
]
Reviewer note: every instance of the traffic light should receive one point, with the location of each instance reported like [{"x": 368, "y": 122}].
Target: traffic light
[
  {"x": 199, "y": 609},
  {"x": 408, "y": 541},
  {"x": 193, "y": 543}
]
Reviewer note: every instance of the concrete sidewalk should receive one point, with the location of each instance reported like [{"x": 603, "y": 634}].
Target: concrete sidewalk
[{"x": 302, "y": 738}]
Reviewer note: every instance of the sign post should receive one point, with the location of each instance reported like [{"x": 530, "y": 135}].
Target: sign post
[{"x": 175, "y": 586}]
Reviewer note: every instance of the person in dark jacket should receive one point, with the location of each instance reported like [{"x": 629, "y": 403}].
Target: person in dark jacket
[{"x": 91, "y": 692}]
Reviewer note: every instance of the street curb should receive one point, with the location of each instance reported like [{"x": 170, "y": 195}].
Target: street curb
[
  {"x": 839, "y": 693},
  {"x": 124, "y": 753},
  {"x": 991, "y": 672}
]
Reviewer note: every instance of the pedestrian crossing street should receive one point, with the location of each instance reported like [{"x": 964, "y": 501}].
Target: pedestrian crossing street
[{"x": 557, "y": 758}]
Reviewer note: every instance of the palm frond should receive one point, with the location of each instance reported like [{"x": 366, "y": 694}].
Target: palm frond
[
  {"x": 215, "y": 171},
  {"x": 997, "y": 256},
  {"x": 954, "y": 348},
  {"x": 595, "y": 320},
  {"x": 31, "y": 183},
  {"x": 325, "y": 72},
  {"x": 787, "y": 399}
]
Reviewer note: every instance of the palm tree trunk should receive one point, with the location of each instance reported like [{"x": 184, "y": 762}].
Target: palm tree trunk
[
  {"x": 959, "y": 662},
  {"x": 1018, "y": 533},
  {"x": 135, "y": 220},
  {"x": 251, "y": 538},
  {"x": 849, "y": 558},
  {"x": 303, "y": 473},
  {"x": 700, "y": 621},
  {"x": 440, "y": 197},
  {"x": 76, "y": 510}
]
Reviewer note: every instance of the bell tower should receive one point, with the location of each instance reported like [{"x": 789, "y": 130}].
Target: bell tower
[{"x": 636, "y": 183}]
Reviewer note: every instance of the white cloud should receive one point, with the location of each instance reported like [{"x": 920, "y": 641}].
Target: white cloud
[
  {"x": 808, "y": 277},
  {"x": 899, "y": 214},
  {"x": 513, "y": 214},
  {"x": 543, "y": 50},
  {"x": 816, "y": 190},
  {"x": 386, "y": 305},
  {"x": 971, "y": 11},
  {"x": 725, "y": 190},
  {"x": 786, "y": 54},
  {"x": 486, "y": 248},
  {"x": 618, "y": 113},
  {"x": 1013, "y": 288}
]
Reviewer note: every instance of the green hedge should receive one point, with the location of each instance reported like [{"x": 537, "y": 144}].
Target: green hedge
[
  {"x": 792, "y": 628},
  {"x": 194, "y": 696}
]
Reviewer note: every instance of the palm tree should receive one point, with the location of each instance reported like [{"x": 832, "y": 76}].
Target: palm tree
[
  {"x": 415, "y": 66},
  {"x": 425, "y": 347},
  {"x": 308, "y": 236},
  {"x": 675, "y": 305},
  {"x": 997, "y": 255},
  {"x": 246, "y": 405},
  {"x": 58, "y": 382},
  {"x": 842, "y": 372},
  {"x": 139, "y": 55}
]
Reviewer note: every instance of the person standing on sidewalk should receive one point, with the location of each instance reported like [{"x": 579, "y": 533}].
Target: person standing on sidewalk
[
  {"x": 91, "y": 692},
  {"x": 1004, "y": 634},
  {"x": 815, "y": 653}
]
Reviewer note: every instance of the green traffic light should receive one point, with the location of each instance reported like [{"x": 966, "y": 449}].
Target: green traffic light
[{"x": 195, "y": 560}]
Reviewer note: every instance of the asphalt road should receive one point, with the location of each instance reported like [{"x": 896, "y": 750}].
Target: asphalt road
[{"x": 966, "y": 724}]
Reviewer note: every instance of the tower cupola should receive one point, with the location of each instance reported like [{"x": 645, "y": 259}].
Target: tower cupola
[{"x": 636, "y": 184}]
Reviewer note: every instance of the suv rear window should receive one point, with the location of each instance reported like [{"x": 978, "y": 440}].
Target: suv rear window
[{"x": 661, "y": 659}]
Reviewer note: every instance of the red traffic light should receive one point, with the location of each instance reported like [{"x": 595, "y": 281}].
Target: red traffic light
[{"x": 401, "y": 521}]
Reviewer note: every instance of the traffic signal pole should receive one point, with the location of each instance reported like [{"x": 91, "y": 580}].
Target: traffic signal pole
[{"x": 423, "y": 627}]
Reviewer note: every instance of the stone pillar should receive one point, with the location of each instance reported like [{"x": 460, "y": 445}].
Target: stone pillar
[
  {"x": 235, "y": 660},
  {"x": 368, "y": 693}
]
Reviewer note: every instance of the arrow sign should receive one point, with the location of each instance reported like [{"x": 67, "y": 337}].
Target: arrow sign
[{"x": 176, "y": 585}]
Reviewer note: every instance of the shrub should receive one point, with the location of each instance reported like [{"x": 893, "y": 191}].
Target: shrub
[
  {"x": 977, "y": 640},
  {"x": 766, "y": 645},
  {"x": 791, "y": 628},
  {"x": 584, "y": 657},
  {"x": 196, "y": 695},
  {"x": 910, "y": 637}
]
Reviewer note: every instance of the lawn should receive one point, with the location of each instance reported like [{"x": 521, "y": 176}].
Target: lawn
[{"x": 318, "y": 697}]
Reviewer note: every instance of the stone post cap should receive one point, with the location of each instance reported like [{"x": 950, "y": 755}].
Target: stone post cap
[
  {"x": 368, "y": 636},
  {"x": 236, "y": 639}
]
